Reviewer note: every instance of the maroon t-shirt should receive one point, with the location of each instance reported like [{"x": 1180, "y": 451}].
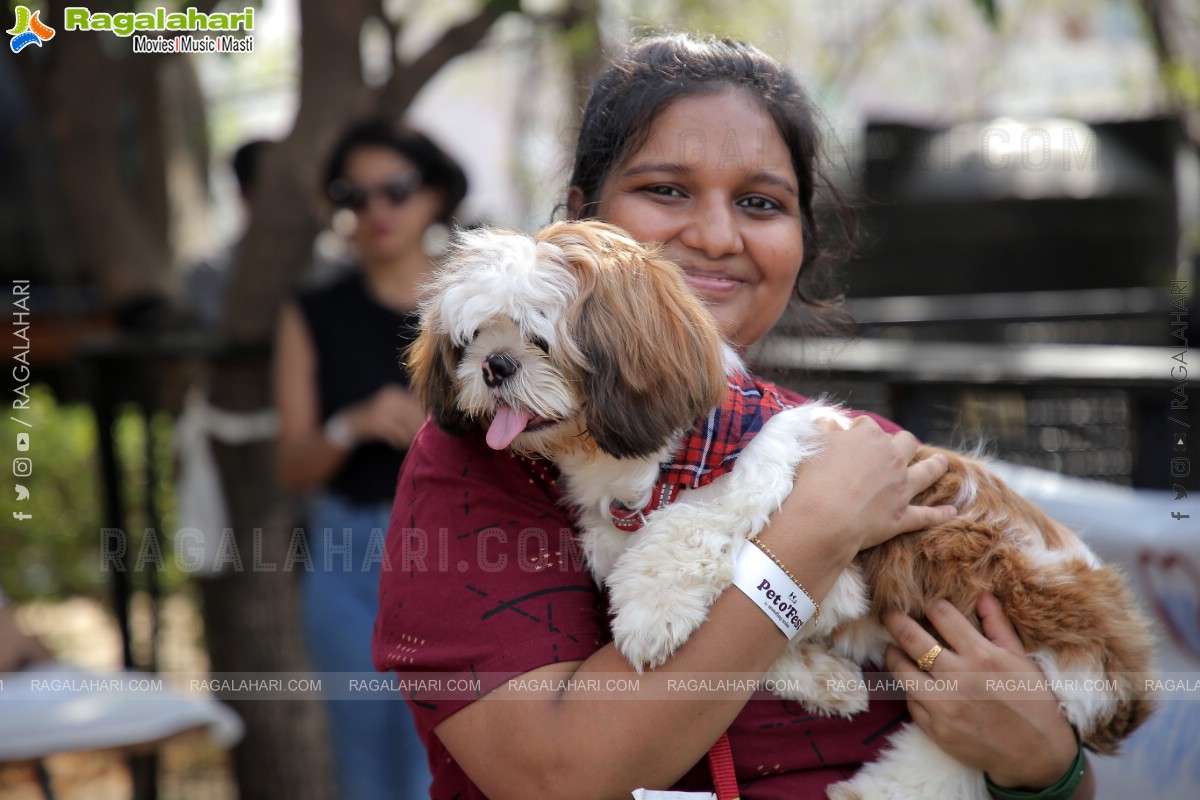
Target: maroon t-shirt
[{"x": 483, "y": 583}]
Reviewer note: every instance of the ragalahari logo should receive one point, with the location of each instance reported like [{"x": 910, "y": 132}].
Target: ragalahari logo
[{"x": 29, "y": 29}]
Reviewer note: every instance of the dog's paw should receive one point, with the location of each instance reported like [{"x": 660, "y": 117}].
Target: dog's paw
[
  {"x": 821, "y": 681},
  {"x": 844, "y": 703},
  {"x": 647, "y": 630},
  {"x": 661, "y": 589}
]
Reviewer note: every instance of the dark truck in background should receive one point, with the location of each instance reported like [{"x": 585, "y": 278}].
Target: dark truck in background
[{"x": 1023, "y": 284}]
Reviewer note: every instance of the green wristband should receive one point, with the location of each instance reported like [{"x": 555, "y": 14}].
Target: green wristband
[{"x": 1061, "y": 790}]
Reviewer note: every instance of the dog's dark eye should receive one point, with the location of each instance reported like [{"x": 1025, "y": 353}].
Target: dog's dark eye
[
  {"x": 540, "y": 344},
  {"x": 475, "y": 335}
]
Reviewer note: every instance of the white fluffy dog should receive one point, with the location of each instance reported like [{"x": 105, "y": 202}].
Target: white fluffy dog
[{"x": 584, "y": 347}]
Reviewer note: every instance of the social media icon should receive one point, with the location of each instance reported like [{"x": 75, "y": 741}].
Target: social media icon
[
  {"x": 22, "y": 515},
  {"x": 22, "y": 467},
  {"x": 22, "y": 492},
  {"x": 1180, "y": 491},
  {"x": 22, "y": 442},
  {"x": 1179, "y": 441}
]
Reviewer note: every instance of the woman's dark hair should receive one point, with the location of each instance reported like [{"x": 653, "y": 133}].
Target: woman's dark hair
[
  {"x": 438, "y": 170},
  {"x": 629, "y": 96}
]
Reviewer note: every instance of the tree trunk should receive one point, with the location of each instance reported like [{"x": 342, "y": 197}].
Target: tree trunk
[
  {"x": 75, "y": 89},
  {"x": 252, "y": 625},
  {"x": 252, "y": 618}
]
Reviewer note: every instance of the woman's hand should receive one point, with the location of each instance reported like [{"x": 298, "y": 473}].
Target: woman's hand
[
  {"x": 307, "y": 459},
  {"x": 855, "y": 494},
  {"x": 859, "y": 490},
  {"x": 392, "y": 415},
  {"x": 1017, "y": 737}
]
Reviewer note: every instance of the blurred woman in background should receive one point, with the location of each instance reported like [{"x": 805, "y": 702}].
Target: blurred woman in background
[{"x": 347, "y": 419}]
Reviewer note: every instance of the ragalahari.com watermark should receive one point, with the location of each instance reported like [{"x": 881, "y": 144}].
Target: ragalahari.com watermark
[
  {"x": 491, "y": 550},
  {"x": 421, "y": 686}
]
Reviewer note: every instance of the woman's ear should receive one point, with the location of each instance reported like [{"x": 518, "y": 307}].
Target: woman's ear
[{"x": 575, "y": 203}]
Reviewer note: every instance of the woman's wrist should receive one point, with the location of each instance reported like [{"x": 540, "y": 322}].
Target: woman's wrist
[
  {"x": 1062, "y": 789},
  {"x": 814, "y": 558},
  {"x": 1027, "y": 776},
  {"x": 764, "y": 578},
  {"x": 339, "y": 431}
]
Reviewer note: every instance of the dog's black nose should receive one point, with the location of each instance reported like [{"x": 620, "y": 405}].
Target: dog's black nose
[{"x": 497, "y": 368}]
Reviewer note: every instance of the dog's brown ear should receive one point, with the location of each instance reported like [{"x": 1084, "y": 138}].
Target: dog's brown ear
[
  {"x": 431, "y": 361},
  {"x": 655, "y": 362}
]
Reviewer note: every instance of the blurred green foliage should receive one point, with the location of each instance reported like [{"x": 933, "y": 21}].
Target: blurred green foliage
[
  {"x": 1183, "y": 80},
  {"x": 56, "y": 553},
  {"x": 988, "y": 9}
]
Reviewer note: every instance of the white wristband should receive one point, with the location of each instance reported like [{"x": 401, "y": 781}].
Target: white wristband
[
  {"x": 762, "y": 580},
  {"x": 338, "y": 432}
]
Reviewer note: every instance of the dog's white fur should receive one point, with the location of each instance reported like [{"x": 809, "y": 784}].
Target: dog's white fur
[{"x": 570, "y": 306}]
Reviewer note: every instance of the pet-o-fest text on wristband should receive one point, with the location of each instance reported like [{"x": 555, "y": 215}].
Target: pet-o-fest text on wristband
[{"x": 762, "y": 578}]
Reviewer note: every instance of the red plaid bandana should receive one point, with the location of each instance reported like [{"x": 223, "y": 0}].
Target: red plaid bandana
[
  {"x": 717, "y": 440},
  {"x": 712, "y": 448}
]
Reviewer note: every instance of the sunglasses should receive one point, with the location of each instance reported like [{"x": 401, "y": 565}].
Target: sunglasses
[{"x": 344, "y": 194}]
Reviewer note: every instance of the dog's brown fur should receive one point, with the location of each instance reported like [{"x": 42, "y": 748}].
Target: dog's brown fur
[{"x": 1085, "y": 615}]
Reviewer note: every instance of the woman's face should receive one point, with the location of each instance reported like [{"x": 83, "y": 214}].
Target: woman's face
[
  {"x": 391, "y": 207},
  {"x": 714, "y": 183}
]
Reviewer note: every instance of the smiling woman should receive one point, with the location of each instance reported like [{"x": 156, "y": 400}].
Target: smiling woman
[
  {"x": 715, "y": 186},
  {"x": 706, "y": 147}
]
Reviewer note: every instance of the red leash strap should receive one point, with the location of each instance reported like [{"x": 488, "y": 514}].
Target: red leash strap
[{"x": 720, "y": 762}]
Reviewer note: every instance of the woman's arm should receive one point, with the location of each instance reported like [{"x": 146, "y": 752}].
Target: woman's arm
[
  {"x": 307, "y": 458},
  {"x": 580, "y": 744},
  {"x": 1018, "y": 738},
  {"x": 595, "y": 744}
]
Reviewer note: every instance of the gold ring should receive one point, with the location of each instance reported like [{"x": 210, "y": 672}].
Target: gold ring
[{"x": 925, "y": 662}]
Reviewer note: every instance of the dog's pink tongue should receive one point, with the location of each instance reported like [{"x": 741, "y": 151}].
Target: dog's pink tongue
[{"x": 506, "y": 426}]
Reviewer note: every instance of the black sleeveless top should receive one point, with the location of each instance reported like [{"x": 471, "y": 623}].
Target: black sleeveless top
[{"x": 358, "y": 345}]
